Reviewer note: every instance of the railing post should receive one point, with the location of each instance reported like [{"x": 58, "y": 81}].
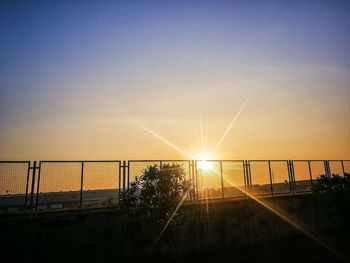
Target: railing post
[
  {"x": 119, "y": 180},
  {"x": 38, "y": 185},
  {"x": 343, "y": 168},
  {"x": 81, "y": 185},
  {"x": 27, "y": 186},
  {"x": 222, "y": 181},
  {"x": 249, "y": 176},
  {"x": 124, "y": 173},
  {"x": 292, "y": 182},
  {"x": 289, "y": 177},
  {"x": 327, "y": 168},
  {"x": 193, "y": 182},
  {"x": 128, "y": 175},
  {"x": 33, "y": 186},
  {"x": 293, "y": 176},
  {"x": 190, "y": 178},
  {"x": 245, "y": 174},
  {"x": 196, "y": 178},
  {"x": 270, "y": 172},
  {"x": 310, "y": 173}
]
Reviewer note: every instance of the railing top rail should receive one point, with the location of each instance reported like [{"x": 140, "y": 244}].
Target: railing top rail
[
  {"x": 80, "y": 161},
  {"x": 219, "y": 160},
  {"x": 181, "y": 160},
  {"x": 134, "y": 161},
  {"x": 14, "y": 161},
  {"x": 318, "y": 160},
  {"x": 301, "y": 160},
  {"x": 271, "y": 160}
]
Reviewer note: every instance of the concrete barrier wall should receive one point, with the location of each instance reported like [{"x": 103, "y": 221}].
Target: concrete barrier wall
[{"x": 104, "y": 236}]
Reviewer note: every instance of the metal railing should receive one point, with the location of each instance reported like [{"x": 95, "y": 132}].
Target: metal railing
[{"x": 27, "y": 187}]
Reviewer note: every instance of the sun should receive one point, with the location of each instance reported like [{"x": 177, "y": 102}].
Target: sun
[{"x": 202, "y": 161}]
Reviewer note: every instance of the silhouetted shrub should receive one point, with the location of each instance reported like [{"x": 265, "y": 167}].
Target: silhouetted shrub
[
  {"x": 155, "y": 194},
  {"x": 333, "y": 186},
  {"x": 337, "y": 189}
]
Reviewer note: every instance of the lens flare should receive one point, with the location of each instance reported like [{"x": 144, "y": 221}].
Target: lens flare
[
  {"x": 202, "y": 161},
  {"x": 229, "y": 127},
  {"x": 289, "y": 219},
  {"x": 167, "y": 142}
]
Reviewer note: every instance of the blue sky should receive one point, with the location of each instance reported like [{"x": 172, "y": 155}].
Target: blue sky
[{"x": 79, "y": 73}]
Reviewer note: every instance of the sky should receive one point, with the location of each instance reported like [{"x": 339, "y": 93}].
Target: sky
[{"x": 174, "y": 79}]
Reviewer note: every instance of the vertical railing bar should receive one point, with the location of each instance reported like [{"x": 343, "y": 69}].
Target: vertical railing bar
[
  {"x": 329, "y": 169},
  {"x": 27, "y": 185},
  {"x": 222, "y": 181},
  {"x": 200, "y": 182},
  {"x": 247, "y": 174},
  {"x": 310, "y": 173},
  {"x": 193, "y": 182},
  {"x": 33, "y": 187},
  {"x": 244, "y": 175},
  {"x": 196, "y": 174},
  {"x": 124, "y": 175},
  {"x": 270, "y": 172},
  {"x": 233, "y": 176},
  {"x": 325, "y": 168},
  {"x": 293, "y": 177},
  {"x": 119, "y": 180},
  {"x": 189, "y": 174},
  {"x": 81, "y": 185},
  {"x": 38, "y": 186},
  {"x": 343, "y": 168},
  {"x": 128, "y": 175},
  {"x": 289, "y": 177},
  {"x": 250, "y": 177}
]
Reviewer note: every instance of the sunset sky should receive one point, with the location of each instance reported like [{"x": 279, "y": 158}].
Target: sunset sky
[{"x": 162, "y": 79}]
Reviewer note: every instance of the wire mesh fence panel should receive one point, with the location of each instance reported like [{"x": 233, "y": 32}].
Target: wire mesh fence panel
[
  {"x": 209, "y": 179},
  {"x": 280, "y": 177},
  {"x": 302, "y": 176},
  {"x": 317, "y": 169},
  {"x": 260, "y": 177},
  {"x": 336, "y": 167},
  {"x": 59, "y": 185},
  {"x": 233, "y": 179},
  {"x": 13, "y": 186},
  {"x": 100, "y": 184}
]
